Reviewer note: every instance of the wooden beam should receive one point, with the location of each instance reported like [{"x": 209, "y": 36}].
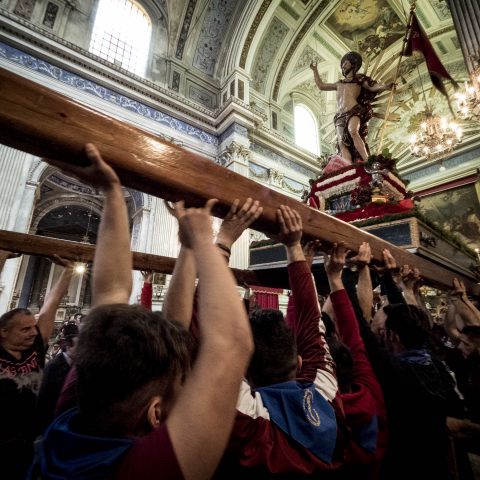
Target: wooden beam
[
  {"x": 4, "y": 255},
  {"x": 45, "y": 123},
  {"x": 83, "y": 252}
]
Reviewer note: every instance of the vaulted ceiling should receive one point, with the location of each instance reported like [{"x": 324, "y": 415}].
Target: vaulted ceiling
[
  {"x": 207, "y": 53},
  {"x": 274, "y": 41}
]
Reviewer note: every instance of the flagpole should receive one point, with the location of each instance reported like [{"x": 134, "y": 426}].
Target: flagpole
[{"x": 392, "y": 92}]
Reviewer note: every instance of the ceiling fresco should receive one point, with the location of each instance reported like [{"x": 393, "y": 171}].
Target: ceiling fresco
[
  {"x": 283, "y": 38},
  {"x": 367, "y": 25}
]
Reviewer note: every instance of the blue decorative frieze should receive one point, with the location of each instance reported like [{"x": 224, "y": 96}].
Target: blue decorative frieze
[
  {"x": 452, "y": 162},
  {"x": 282, "y": 160},
  {"x": 71, "y": 185},
  {"x": 73, "y": 80},
  {"x": 233, "y": 128}
]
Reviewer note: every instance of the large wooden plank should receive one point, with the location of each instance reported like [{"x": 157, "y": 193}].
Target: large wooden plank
[
  {"x": 84, "y": 252},
  {"x": 3, "y": 258},
  {"x": 42, "y": 122}
]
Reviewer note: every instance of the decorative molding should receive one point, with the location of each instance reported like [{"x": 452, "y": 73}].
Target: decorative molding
[
  {"x": 322, "y": 4},
  {"x": 234, "y": 151},
  {"x": 253, "y": 30},
  {"x": 266, "y": 53},
  {"x": 24, "y": 8},
  {"x": 50, "y": 15},
  {"x": 308, "y": 56},
  {"x": 212, "y": 34},
  {"x": 79, "y": 83},
  {"x": 69, "y": 184},
  {"x": 273, "y": 177},
  {"x": 42, "y": 208},
  {"x": 310, "y": 89},
  {"x": 327, "y": 45},
  {"x": 185, "y": 28},
  {"x": 234, "y": 128},
  {"x": 175, "y": 81},
  {"x": 94, "y": 64},
  {"x": 202, "y": 96},
  {"x": 449, "y": 163},
  {"x": 290, "y": 10},
  {"x": 254, "y": 147},
  {"x": 259, "y": 172}
]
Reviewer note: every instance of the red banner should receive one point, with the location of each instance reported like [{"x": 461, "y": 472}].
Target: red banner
[{"x": 419, "y": 42}]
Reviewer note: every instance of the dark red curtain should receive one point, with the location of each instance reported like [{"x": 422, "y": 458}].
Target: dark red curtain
[{"x": 264, "y": 297}]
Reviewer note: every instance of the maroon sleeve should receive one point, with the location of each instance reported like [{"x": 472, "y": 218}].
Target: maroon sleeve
[
  {"x": 306, "y": 325},
  {"x": 347, "y": 326},
  {"x": 291, "y": 317},
  {"x": 146, "y": 297},
  {"x": 152, "y": 456}
]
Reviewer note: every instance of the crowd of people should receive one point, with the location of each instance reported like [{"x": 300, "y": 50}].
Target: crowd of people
[{"x": 354, "y": 389}]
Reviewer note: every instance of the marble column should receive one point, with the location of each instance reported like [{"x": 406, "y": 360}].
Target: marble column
[
  {"x": 236, "y": 157},
  {"x": 17, "y": 197}
]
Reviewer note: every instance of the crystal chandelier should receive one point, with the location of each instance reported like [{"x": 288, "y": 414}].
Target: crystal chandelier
[
  {"x": 468, "y": 99},
  {"x": 437, "y": 137}
]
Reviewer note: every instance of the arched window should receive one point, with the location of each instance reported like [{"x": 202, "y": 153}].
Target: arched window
[
  {"x": 121, "y": 34},
  {"x": 306, "y": 130}
]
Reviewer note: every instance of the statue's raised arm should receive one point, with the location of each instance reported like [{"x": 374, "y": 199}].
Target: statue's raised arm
[{"x": 355, "y": 93}]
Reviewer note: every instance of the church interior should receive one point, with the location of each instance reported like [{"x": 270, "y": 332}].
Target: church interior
[
  {"x": 231, "y": 81},
  {"x": 362, "y": 116}
]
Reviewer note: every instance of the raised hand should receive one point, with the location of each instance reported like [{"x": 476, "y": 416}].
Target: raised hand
[
  {"x": 389, "y": 260},
  {"x": 290, "y": 226},
  {"x": 98, "y": 173},
  {"x": 310, "y": 249},
  {"x": 335, "y": 260},
  {"x": 313, "y": 65},
  {"x": 238, "y": 220},
  {"x": 147, "y": 275},
  {"x": 363, "y": 257},
  {"x": 194, "y": 224},
  {"x": 459, "y": 289},
  {"x": 410, "y": 277}
]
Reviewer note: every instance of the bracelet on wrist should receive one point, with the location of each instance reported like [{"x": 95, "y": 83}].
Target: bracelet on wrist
[{"x": 223, "y": 247}]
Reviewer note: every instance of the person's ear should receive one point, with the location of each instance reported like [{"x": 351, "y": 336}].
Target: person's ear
[
  {"x": 154, "y": 411},
  {"x": 299, "y": 363}
]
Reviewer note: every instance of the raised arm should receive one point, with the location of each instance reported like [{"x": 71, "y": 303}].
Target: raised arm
[
  {"x": 179, "y": 298},
  {"x": 147, "y": 289},
  {"x": 236, "y": 222},
  {"x": 450, "y": 322},
  {"x": 46, "y": 316},
  {"x": 320, "y": 84},
  {"x": 464, "y": 307},
  {"x": 200, "y": 422},
  {"x": 112, "y": 265},
  {"x": 377, "y": 87},
  {"x": 389, "y": 276},
  {"x": 364, "y": 286},
  {"x": 346, "y": 321},
  {"x": 409, "y": 277},
  {"x": 317, "y": 364}
]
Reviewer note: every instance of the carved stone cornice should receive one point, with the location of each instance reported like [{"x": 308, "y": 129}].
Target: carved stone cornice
[{"x": 234, "y": 152}]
